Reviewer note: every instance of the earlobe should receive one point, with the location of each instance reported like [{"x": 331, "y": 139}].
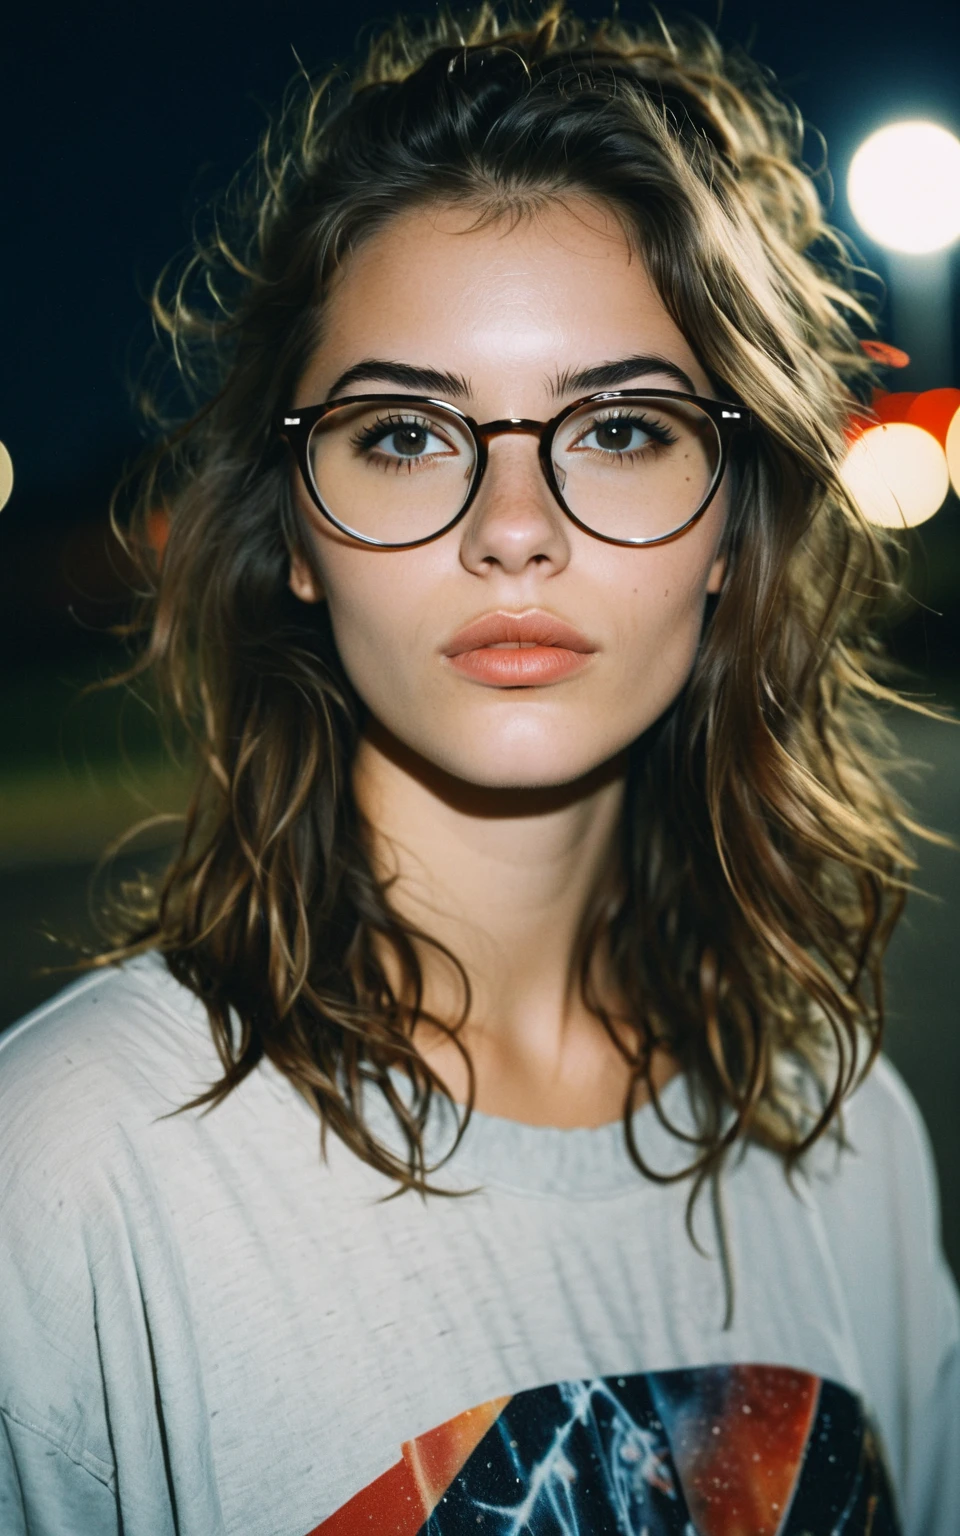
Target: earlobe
[
  {"x": 717, "y": 573},
  {"x": 302, "y": 582}
]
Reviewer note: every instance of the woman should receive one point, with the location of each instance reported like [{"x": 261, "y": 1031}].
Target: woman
[{"x": 539, "y": 869}]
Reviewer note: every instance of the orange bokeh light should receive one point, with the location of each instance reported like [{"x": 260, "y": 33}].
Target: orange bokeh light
[
  {"x": 883, "y": 353},
  {"x": 894, "y": 407},
  {"x": 158, "y": 530},
  {"x": 934, "y": 410}
]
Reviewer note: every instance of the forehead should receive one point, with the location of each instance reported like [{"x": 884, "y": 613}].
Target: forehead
[{"x": 560, "y": 285}]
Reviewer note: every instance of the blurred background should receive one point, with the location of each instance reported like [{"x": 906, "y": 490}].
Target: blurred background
[{"x": 120, "y": 122}]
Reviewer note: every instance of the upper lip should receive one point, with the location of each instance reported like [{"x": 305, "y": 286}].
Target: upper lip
[{"x": 536, "y": 628}]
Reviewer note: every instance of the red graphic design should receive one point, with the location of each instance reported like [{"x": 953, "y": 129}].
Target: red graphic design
[
  {"x": 402, "y": 1498},
  {"x": 726, "y": 1450},
  {"x": 739, "y": 1468}
]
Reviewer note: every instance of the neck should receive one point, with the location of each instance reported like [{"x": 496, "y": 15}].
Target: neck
[{"x": 505, "y": 879}]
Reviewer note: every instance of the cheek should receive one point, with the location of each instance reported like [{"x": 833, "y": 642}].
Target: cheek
[
  {"x": 661, "y": 621},
  {"x": 377, "y": 612},
  {"x": 668, "y": 588}
]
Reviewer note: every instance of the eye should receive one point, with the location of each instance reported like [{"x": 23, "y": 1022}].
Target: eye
[
  {"x": 624, "y": 432},
  {"x": 402, "y": 438}
]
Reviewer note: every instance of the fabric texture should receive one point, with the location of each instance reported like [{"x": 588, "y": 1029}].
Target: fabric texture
[{"x": 205, "y": 1328}]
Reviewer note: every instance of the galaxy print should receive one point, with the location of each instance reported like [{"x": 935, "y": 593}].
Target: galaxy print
[{"x": 726, "y": 1450}]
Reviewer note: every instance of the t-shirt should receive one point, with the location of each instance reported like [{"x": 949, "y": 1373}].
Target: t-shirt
[{"x": 208, "y": 1328}]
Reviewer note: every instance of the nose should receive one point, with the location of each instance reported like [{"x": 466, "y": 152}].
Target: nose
[{"x": 515, "y": 521}]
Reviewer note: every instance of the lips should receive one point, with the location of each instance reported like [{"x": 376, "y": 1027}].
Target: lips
[
  {"x": 518, "y": 650},
  {"x": 518, "y": 629}
]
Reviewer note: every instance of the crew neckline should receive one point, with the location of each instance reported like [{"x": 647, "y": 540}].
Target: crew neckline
[{"x": 579, "y": 1162}]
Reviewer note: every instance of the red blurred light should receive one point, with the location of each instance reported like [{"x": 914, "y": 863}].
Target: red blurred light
[
  {"x": 893, "y": 407},
  {"x": 934, "y": 410},
  {"x": 158, "y": 530},
  {"x": 888, "y": 357}
]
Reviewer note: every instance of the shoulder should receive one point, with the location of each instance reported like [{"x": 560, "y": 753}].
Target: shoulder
[
  {"x": 118, "y": 1047},
  {"x": 880, "y": 1208},
  {"x": 89, "y": 1141},
  {"x": 883, "y": 1107},
  {"x": 879, "y": 1204},
  {"x": 91, "y": 1274},
  {"x": 882, "y": 1168}
]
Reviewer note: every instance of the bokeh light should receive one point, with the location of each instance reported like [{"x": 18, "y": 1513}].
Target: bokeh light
[
  {"x": 897, "y": 474},
  {"x": 904, "y": 186},
  {"x": 953, "y": 452},
  {"x": 894, "y": 407},
  {"x": 934, "y": 410},
  {"x": 6, "y": 475}
]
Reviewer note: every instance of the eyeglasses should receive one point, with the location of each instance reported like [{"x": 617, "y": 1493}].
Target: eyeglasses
[{"x": 632, "y": 467}]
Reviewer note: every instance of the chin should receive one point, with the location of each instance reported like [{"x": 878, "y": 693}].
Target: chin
[
  {"x": 521, "y": 776},
  {"x": 521, "y": 750},
  {"x": 531, "y": 765}
]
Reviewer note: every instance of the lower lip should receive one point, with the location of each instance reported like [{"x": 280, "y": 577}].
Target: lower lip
[{"x": 519, "y": 667}]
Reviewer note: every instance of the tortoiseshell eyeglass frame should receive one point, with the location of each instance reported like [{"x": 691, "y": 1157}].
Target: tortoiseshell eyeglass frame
[{"x": 728, "y": 418}]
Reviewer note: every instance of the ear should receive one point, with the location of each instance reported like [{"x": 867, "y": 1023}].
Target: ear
[
  {"x": 301, "y": 579},
  {"x": 717, "y": 573},
  {"x": 302, "y": 582}
]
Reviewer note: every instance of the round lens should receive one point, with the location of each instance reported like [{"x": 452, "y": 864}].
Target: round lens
[
  {"x": 638, "y": 468},
  {"x": 392, "y": 471}
]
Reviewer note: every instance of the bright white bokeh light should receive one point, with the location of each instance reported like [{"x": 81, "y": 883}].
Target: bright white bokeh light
[
  {"x": 897, "y": 475},
  {"x": 904, "y": 187},
  {"x": 6, "y": 476},
  {"x": 953, "y": 452}
]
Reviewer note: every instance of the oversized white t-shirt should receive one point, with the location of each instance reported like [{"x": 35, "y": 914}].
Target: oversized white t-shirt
[{"x": 205, "y": 1328}]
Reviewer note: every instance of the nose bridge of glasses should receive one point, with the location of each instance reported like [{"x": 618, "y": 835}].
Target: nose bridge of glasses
[
  {"x": 516, "y": 426},
  {"x": 491, "y": 429}
]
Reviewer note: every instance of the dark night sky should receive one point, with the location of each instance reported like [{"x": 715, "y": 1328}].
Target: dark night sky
[{"x": 122, "y": 119}]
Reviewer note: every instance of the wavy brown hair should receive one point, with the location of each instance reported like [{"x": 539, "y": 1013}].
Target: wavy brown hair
[{"x": 762, "y": 863}]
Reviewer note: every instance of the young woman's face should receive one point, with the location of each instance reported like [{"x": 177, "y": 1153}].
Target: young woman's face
[{"x": 510, "y": 311}]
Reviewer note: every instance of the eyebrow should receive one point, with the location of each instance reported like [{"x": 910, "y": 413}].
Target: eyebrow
[{"x": 453, "y": 386}]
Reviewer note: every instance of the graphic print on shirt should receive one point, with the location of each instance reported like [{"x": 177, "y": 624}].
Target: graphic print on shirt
[{"x": 722, "y": 1450}]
